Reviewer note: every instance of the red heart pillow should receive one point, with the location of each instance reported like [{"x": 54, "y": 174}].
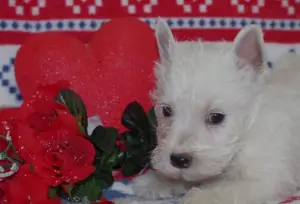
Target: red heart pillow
[{"x": 114, "y": 69}]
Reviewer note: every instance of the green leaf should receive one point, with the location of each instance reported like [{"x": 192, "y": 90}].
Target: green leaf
[
  {"x": 89, "y": 188},
  {"x": 69, "y": 187},
  {"x": 134, "y": 117},
  {"x": 106, "y": 162},
  {"x": 152, "y": 117},
  {"x": 130, "y": 169},
  {"x": 140, "y": 139},
  {"x": 104, "y": 138},
  {"x": 104, "y": 179},
  {"x": 132, "y": 141},
  {"x": 111, "y": 158},
  {"x": 119, "y": 159},
  {"x": 75, "y": 105},
  {"x": 104, "y": 167},
  {"x": 52, "y": 192}
]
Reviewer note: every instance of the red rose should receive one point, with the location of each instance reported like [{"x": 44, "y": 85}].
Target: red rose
[
  {"x": 41, "y": 111},
  {"x": 59, "y": 155},
  {"x": 48, "y": 137},
  {"x": 52, "y": 116},
  {"x": 25, "y": 187}
]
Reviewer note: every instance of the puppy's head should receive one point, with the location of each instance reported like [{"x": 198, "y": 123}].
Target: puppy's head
[{"x": 205, "y": 98}]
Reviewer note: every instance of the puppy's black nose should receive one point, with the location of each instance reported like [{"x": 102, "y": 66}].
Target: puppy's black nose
[{"x": 181, "y": 161}]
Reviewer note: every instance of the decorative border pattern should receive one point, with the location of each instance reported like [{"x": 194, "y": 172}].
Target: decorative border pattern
[
  {"x": 7, "y": 83},
  {"x": 79, "y": 25},
  {"x": 97, "y": 8}
]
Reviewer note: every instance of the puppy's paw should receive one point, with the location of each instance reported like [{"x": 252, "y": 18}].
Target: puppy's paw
[
  {"x": 126, "y": 201},
  {"x": 193, "y": 196},
  {"x": 205, "y": 196},
  {"x": 199, "y": 196},
  {"x": 150, "y": 187}
]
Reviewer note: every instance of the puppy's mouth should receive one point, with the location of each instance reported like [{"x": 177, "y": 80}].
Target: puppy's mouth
[
  {"x": 169, "y": 173},
  {"x": 175, "y": 176},
  {"x": 181, "y": 176}
]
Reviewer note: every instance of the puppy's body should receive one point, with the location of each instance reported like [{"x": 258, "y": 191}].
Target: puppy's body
[{"x": 237, "y": 120}]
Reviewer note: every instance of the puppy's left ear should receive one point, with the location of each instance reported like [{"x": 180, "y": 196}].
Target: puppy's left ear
[
  {"x": 165, "y": 40},
  {"x": 249, "y": 46}
]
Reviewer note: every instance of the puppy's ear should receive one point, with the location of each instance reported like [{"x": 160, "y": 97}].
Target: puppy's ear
[
  {"x": 249, "y": 46},
  {"x": 165, "y": 40}
]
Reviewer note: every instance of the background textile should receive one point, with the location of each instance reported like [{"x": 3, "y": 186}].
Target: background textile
[{"x": 210, "y": 20}]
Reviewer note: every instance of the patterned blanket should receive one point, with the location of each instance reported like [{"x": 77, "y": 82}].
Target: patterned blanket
[{"x": 211, "y": 20}]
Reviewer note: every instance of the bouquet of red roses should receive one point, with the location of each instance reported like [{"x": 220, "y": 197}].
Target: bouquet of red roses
[{"x": 46, "y": 152}]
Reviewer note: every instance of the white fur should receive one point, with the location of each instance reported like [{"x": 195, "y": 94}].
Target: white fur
[{"x": 251, "y": 158}]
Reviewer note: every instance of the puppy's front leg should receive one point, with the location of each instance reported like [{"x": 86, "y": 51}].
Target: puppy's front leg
[
  {"x": 151, "y": 186},
  {"x": 232, "y": 192}
]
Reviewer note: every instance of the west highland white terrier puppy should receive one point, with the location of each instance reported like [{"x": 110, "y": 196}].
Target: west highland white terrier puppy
[{"x": 228, "y": 126}]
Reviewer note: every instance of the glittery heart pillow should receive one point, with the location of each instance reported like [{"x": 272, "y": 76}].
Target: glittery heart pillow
[{"x": 114, "y": 69}]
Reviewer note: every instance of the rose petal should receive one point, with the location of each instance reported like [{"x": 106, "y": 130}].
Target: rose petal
[
  {"x": 40, "y": 105},
  {"x": 46, "y": 171},
  {"x": 47, "y": 92},
  {"x": 80, "y": 173},
  {"x": 69, "y": 162},
  {"x": 83, "y": 149},
  {"x": 48, "y": 137},
  {"x": 43, "y": 106},
  {"x": 68, "y": 122},
  {"x": 51, "y": 90},
  {"x": 25, "y": 141},
  {"x": 43, "y": 98},
  {"x": 61, "y": 107},
  {"x": 9, "y": 113},
  {"x": 53, "y": 158},
  {"x": 36, "y": 188},
  {"x": 39, "y": 122},
  {"x": 24, "y": 185},
  {"x": 13, "y": 191},
  {"x": 51, "y": 201}
]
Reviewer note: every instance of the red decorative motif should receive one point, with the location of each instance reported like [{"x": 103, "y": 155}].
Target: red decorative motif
[
  {"x": 27, "y": 7},
  {"x": 292, "y": 6},
  {"x": 134, "y": 6},
  {"x": 88, "y": 7},
  {"x": 250, "y": 6},
  {"x": 195, "y": 6}
]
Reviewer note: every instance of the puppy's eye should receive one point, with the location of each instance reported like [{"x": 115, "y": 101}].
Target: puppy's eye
[
  {"x": 167, "y": 111},
  {"x": 215, "y": 118}
]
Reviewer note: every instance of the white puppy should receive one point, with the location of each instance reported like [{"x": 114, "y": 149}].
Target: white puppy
[{"x": 227, "y": 124}]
